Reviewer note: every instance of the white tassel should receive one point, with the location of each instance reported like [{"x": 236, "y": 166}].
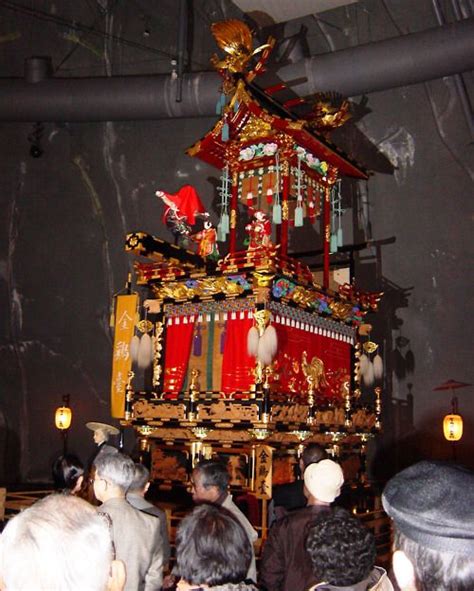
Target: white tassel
[
  {"x": 368, "y": 376},
  {"x": 152, "y": 350},
  {"x": 252, "y": 341},
  {"x": 363, "y": 363},
  {"x": 378, "y": 367},
  {"x": 145, "y": 351},
  {"x": 263, "y": 354},
  {"x": 270, "y": 339},
  {"x": 134, "y": 344}
]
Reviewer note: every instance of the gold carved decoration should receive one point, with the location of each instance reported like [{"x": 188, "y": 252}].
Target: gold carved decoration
[
  {"x": 313, "y": 372},
  {"x": 158, "y": 346},
  {"x": 284, "y": 211},
  {"x": 285, "y": 167},
  {"x": 163, "y": 410},
  {"x": 233, "y": 219},
  {"x": 205, "y": 287},
  {"x": 330, "y": 111},
  {"x": 235, "y": 39},
  {"x": 220, "y": 411},
  {"x": 255, "y": 128}
]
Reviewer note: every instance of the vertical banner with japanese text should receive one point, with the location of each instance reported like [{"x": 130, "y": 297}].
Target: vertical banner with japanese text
[
  {"x": 125, "y": 313},
  {"x": 263, "y": 471}
]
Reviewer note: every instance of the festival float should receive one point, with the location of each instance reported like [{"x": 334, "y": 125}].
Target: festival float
[{"x": 230, "y": 345}]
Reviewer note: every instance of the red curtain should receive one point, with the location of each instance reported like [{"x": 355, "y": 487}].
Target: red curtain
[
  {"x": 292, "y": 342},
  {"x": 177, "y": 349},
  {"x": 237, "y": 366}
]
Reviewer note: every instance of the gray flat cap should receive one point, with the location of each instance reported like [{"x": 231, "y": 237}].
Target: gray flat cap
[{"x": 432, "y": 503}]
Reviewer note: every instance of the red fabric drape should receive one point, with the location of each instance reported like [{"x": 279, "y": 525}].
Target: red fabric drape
[
  {"x": 237, "y": 366},
  {"x": 292, "y": 342},
  {"x": 177, "y": 349}
]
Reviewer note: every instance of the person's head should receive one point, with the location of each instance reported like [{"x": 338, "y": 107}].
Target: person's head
[
  {"x": 323, "y": 482},
  {"x": 431, "y": 504},
  {"x": 141, "y": 480},
  {"x": 113, "y": 475},
  {"x": 212, "y": 547},
  {"x": 68, "y": 473},
  {"x": 60, "y": 543},
  {"x": 102, "y": 431},
  {"x": 312, "y": 454},
  {"x": 341, "y": 549},
  {"x": 210, "y": 480}
]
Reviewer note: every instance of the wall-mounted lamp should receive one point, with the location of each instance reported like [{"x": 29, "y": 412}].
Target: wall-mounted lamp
[{"x": 63, "y": 420}]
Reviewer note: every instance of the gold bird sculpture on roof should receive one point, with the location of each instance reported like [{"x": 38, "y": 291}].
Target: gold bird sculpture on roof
[
  {"x": 330, "y": 111},
  {"x": 234, "y": 38}
]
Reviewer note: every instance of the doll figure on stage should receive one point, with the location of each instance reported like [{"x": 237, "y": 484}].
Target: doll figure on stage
[
  {"x": 207, "y": 241},
  {"x": 181, "y": 211},
  {"x": 259, "y": 231}
]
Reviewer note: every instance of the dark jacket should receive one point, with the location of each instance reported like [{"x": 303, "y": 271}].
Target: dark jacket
[
  {"x": 290, "y": 496},
  {"x": 285, "y": 565}
]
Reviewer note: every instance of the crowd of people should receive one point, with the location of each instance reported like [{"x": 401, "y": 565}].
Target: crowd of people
[{"x": 65, "y": 543}]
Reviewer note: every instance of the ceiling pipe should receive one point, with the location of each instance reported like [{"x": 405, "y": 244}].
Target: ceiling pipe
[{"x": 410, "y": 59}]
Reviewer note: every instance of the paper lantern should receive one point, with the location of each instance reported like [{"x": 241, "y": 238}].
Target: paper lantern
[
  {"x": 63, "y": 418},
  {"x": 452, "y": 427}
]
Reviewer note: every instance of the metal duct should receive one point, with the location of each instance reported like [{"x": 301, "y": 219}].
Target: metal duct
[
  {"x": 409, "y": 59},
  {"x": 400, "y": 61}
]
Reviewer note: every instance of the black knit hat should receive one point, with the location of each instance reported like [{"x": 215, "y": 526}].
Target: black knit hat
[{"x": 432, "y": 503}]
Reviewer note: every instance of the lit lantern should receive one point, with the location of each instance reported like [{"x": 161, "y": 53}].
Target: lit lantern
[
  {"x": 63, "y": 418},
  {"x": 452, "y": 427}
]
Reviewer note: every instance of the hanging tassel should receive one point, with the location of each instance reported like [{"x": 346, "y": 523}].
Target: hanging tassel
[
  {"x": 363, "y": 363},
  {"x": 378, "y": 367},
  {"x": 298, "y": 216},
  {"x": 410, "y": 361},
  {"x": 225, "y": 222},
  {"x": 221, "y": 235},
  {"x": 225, "y": 132},
  {"x": 145, "y": 351},
  {"x": 222, "y": 342},
  {"x": 368, "y": 376},
  {"x": 270, "y": 340},
  {"x": 152, "y": 349},
  {"x": 134, "y": 345},
  {"x": 333, "y": 244},
  {"x": 252, "y": 341},
  {"x": 276, "y": 214},
  {"x": 197, "y": 343},
  {"x": 339, "y": 238}
]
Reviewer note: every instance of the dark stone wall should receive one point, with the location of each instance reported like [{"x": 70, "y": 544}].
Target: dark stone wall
[{"x": 65, "y": 216}]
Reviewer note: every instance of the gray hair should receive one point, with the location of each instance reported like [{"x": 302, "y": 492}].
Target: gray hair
[
  {"x": 117, "y": 469},
  {"x": 60, "y": 543},
  {"x": 140, "y": 477}
]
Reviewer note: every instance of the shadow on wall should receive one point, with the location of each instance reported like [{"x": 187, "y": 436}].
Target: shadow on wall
[
  {"x": 9, "y": 452},
  {"x": 405, "y": 445}
]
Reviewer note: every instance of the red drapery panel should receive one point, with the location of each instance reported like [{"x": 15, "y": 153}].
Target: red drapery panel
[
  {"x": 335, "y": 354},
  {"x": 177, "y": 349},
  {"x": 237, "y": 366}
]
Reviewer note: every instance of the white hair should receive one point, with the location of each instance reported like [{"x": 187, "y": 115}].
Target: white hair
[
  {"x": 60, "y": 543},
  {"x": 118, "y": 469}
]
